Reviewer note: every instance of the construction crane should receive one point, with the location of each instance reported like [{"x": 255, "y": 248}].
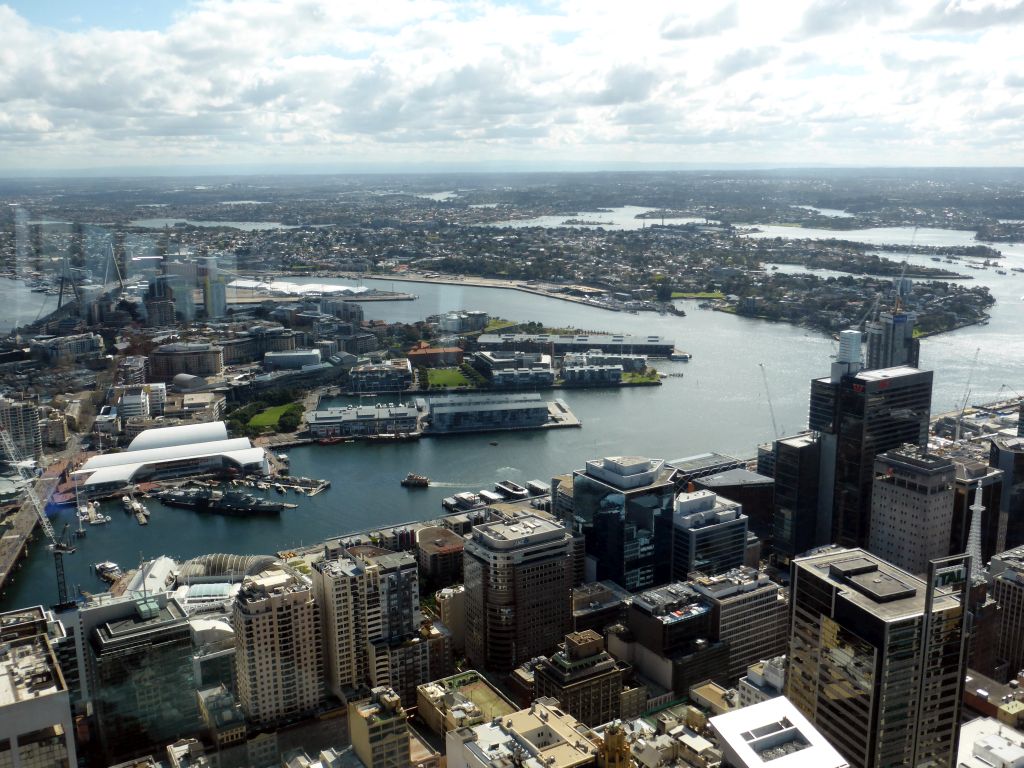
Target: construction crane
[
  {"x": 61, "y": 545},
  {"x": 768, "y": 394},
  {"x": 967, "y": 393}
]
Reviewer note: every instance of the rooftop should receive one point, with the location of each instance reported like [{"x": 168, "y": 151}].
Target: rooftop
[
  {"x": 986, "y": 742},
  {"x": 773, "y": 733},
  {"x": 523, "y": 531},
  {"x": 732, "y": 477},
  {"x": 873, "y": 584},
  {"x": 28, "y": 670}
]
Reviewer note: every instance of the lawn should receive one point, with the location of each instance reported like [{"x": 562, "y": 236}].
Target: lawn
[
  {"x": 269, "y": 417},
  {"x": 447, "y": 377},
  {"x": 698, "y": 295},
  {"x": 638, "y": 378},
  {"x": 497, "y": 324}
]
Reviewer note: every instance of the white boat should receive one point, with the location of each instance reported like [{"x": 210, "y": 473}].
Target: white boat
[
  {"x": 100, "y": 520},
  {"x": 126, "y": 501}
]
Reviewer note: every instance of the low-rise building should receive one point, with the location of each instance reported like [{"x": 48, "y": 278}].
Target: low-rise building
[
  {"x": 541, "y": 736},
  {"x": 476, "y": 413},
  {"x": 362, "y": 420},
  {"x": 764, "y": 680},
  {"x": 461, "y": 700},
  {"x": 426, "y": 356},
  {"x": 379, "y": 730},
  {"x": 380, "y": 378},
  {"x": 758, "y": 735}
]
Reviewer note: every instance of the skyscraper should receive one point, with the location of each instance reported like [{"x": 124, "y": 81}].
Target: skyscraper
[
  {"x": 710, "y": 534},
  {"x": 518, "y": 591},
  {"x": 21, "y": 420},
  {"x": 796, "y": 462},
  {"x": 278, "y": 658},
  {"x": 911, "y": 508},
  {"x": 1007, "y": 572},
  {"x": 878, "y": 656},
  {"x": 622, "y": 506},
  {"x": 1007, "y": 454},
  {"x": 891, "y": 341},
  {"x": 858, "y": 415}
]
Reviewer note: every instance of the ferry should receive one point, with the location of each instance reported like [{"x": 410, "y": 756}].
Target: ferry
[
  {"x": 412, "y": 480},
  {"x": 511, "y": 490}
]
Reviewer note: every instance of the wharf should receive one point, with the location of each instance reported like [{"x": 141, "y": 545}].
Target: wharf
[{"x": 20, "y": 525}]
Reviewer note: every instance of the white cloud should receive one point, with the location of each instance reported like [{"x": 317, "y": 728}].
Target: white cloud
[{"x": 262, "y": 81}]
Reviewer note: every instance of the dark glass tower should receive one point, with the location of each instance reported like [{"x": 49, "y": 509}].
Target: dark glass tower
[
  {"x": 860, "y": 414},
  {"x": 877, "y": 658}
]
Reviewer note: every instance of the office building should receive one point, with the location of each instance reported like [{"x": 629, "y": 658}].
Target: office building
[
  {"x": 518, "y": 578},
  {"x": 388, "y": 376},
  {"x": 651, "y": 346},
  {"x": 878, "y": 656},
  {"x": 796, "y": 463},
  {"x": 451, "y": 608},
  {"x": 483, "y": 412},
  {"x": 194, "y": 358},
  {"x": 911, "y": 508},
  {"x": 764, "y": 680},
  {"x": 860, "y": 414},
  {"x": 710, "y": 534},
  {"x": 749, "y": 612},
  {"x": 131, "y": 369},
  {"x": 379, "y": 730},
  {"x": 36, "y": 729},
  {"x": 598, "y": 604},
  {"x": 622, "y": 507},
  {"x": 973, "y": 472},
  {"x": 139, "y": 670},
  {"x": 755, "y": 493},
  {"x": 585, "y": 679},
  {"x": 278, "y": 657},
  {"x": 20, "y": 419},
  {"x": 439, "y": 554},
  {"x": 1007, "y": 588},
  {"x": 214, "y": 288},
  {"x": 771, "y": 733},
  {"x": 1007, "y": 454},
  {"x": 891, "y": 341}
]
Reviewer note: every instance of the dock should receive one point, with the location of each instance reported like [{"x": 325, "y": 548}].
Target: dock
[{"x": 21, "y": 524}]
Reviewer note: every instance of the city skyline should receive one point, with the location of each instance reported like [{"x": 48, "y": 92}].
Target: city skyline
[{"x": 272, "y": 86}]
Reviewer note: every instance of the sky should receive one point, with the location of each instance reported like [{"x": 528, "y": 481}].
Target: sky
[{"x": 509, "y": 85}]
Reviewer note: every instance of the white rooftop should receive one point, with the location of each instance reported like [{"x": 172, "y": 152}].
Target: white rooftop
[
  {"x": 773, "y": 733},
  {"x": 987, "y": 743}
]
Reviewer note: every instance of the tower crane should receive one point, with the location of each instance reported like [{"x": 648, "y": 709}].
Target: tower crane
[
  {"x": 967, "y": 393},
  {"x": 768, "y": 394},
  {"x": 61, "y": 545}
]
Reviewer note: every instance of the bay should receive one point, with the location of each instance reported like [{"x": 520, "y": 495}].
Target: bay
[{"x": 720, "y": 404}]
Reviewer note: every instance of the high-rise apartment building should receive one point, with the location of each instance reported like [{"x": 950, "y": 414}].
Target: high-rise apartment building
[
  {"x": 750, "y": 612},
  {"x": 584, "y": 677},
  {"x": 373, "y": 630},
  {"x": 622, "y": 506},
  {"x": 278, "y": 655},
  {"x": 878, "y": 656},
  {"x": 859, "y": 414},
  {"x": 1007, "y": 572},
  {"x": 36, "y": 730},
  {"x": 518, "y": 591},
  {"x": 20, "y": 419},
  {"x": 891, "y": 341},
  {"x": 709, "y": 534},
  {"x": 911, "y": 508},
  {"x": 379, "y": 730},
  {"x": 796, "y": 461}
]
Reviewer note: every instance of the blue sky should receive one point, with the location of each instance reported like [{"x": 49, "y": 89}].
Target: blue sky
[
  {"x": 539, "y": 83},
  {"x": 72, "y": 15}
]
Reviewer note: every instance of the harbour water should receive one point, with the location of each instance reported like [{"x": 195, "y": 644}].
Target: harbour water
[{"x": 719, "y": 404}]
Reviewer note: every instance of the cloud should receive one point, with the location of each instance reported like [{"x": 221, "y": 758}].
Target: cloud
[
  {"x": 825, "y": 17},
  {"x": 679, "y": 28},
  {"x": 563, "y": 79},
  {"x": 743, "y": 59},
  {"x": 960, "y": 16}
]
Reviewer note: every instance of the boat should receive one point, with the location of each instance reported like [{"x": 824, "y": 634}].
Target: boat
[
  {"x": 282, "y": 457},
  {"x": 278, "y": 487},
  {"x": 493, "y": 442},
  {"x": 511, "y": 490},
  {"x": 683, "y": 356},
  {"x": 1000, "y": 271},
  {"x": 99, "y": 520},
  {"x": 108, "y": 570},
  {"x": 1017, "y": 269},
  {"x": 126, "y": 502},
  {"x": 412, "y": 480},
  {"x": 490, "y": 497},
  {"x": 224, "y": 503},
  {"x": 329, "y": 440}
]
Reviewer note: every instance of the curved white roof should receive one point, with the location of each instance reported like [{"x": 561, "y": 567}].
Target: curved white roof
[{"x": 187, "y": 434}]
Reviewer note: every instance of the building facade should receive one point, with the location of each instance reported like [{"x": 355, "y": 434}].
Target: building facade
[
  {"x": 584, "y": 677},
  {"x": 518, "y": 579},
  {"x": 709, "y": 534},
  {"x": 622, "y": 507},
  {"x": 1007, "y": 572},
  {"x": 877, "y": 658},
  {"x": 911, "y": 508},
  {"x": 891, "y": 341},
  {"x": 278, "y": 657}
]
